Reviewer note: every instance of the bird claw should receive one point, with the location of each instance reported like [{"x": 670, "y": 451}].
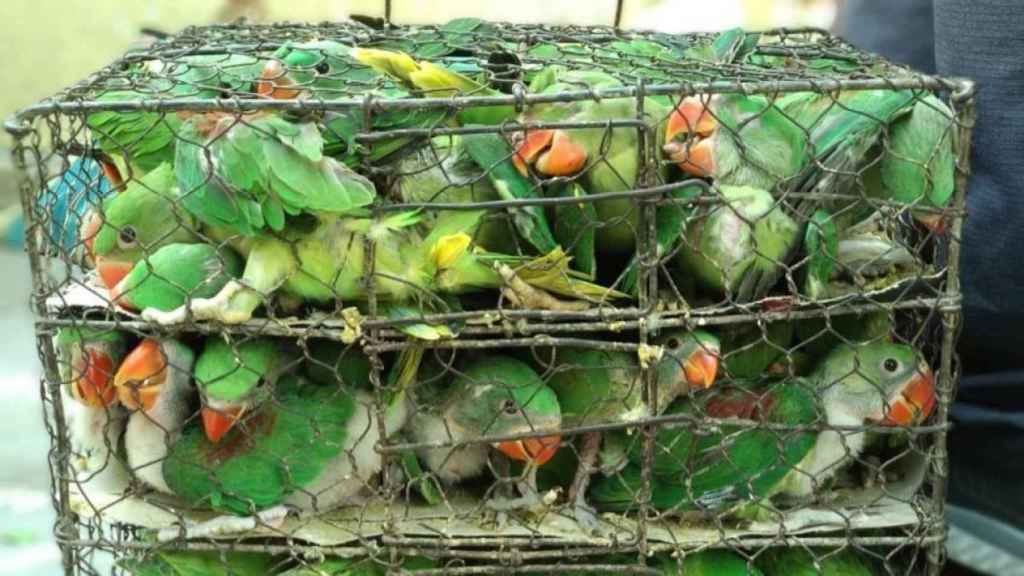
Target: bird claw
[
  {"x": 220, "y": 308},
  {"x": 272, "y": 518},
  {"x": 586, "y": 518}
]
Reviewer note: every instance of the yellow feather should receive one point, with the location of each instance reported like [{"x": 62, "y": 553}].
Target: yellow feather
[
  {"x": 449, "y": 248},
  {"x": 397, "y": 64},
  {"x": 440, "y": 82}
]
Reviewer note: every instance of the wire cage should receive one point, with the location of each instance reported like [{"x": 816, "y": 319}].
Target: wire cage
[{"x": 483, "y": 298}]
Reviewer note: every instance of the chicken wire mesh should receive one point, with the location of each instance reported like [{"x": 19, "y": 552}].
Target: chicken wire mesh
[{"x": 481, "y": 298}]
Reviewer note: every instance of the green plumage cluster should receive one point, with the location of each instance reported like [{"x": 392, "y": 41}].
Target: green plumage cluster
[{"x": 356, "y": 196}]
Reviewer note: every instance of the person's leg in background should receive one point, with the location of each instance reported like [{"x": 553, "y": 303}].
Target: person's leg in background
[
  {"x": 900, "y": 30},
  {"x": 984, "y": 40}
]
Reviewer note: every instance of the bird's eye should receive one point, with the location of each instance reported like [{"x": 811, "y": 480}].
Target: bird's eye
[
  {"x": 891, "y": 365},
  {"x": 126, "y": 237},
  {"x": 224, "y": 90},
  {"x": 510, "y": 407},
  {"x": 323, "y": 67},
  {"x": 673, "y": 343}
]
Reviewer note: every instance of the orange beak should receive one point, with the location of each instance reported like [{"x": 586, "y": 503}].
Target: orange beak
[
  {"x": 112, "y": 272},
  {"x": 552, "y": 153},
  {"x": 701, "y": 368},
  {"x": 274, "y": 82},
  {"x": 932, "y": 221},
  {"x": 92, "y": 386},
  {"x": 141, "y": 374},
  {"x": 111, "y": 173},
  {"x": 537, "y": 450},
  {"x": 688, "y": 137},
  {"x": 217, "y": 422},
  {"x": 915, "y": 401}
]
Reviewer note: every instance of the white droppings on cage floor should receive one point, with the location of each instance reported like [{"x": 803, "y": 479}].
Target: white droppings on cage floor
[{"x": 461, "y": 518}]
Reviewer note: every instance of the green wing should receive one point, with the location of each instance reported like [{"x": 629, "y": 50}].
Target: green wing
[
  {"x": 147, "y": 139},
  {"x": 720, "y": 469},
  {"x": 821, "y": 244},
  {"x": 919, "y": 166},
  {"x": 248, "y": 176},
  {"x": 289, "y": 442},
  {"x": 594, "y": 386},
  {"x": 176, "y": 272}
]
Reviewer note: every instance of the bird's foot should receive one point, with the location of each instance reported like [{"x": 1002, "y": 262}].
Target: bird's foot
[
  {"x": 523, "y": 295},
  {"x": 272, "y": 518},
  {"x": 227, "y": 307},
  {"x": 586, "y": 518}
]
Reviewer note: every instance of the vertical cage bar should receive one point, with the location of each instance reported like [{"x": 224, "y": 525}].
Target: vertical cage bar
[
  {"x": 963, "y": 105},
  {"x": 647, "y": 288},
  {"x": 65, "y": 529}
]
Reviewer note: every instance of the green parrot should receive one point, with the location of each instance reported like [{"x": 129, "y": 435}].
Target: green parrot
[
  {"x": 606, "y": 159},
  {"x": 87, "y": 359},
  {"x": 271, "y": 440},
  {"x": 492, "y": 395},
  {"x": 138, "y": 142},
  {"x": 815, "y": 562},
  {"x": 154, "y": 383},
  {"x": 736, "y": 140},
  {"x": 323, "y": 260},
  {"x": 174, "y": 273},
  {"x": 739, "y": 248},
  {"x": 599, "y": 387},
  {"x": 714, "y": 562},
  {"x": 200, "y": 563},
  {"x": 135, "y": 222},
  {"x": 738, "y": 469}
]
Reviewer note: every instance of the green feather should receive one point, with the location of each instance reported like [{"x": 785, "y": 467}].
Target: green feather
[
  {"x": 815, "y": 562},
  {"x": 190, "y": 563}
]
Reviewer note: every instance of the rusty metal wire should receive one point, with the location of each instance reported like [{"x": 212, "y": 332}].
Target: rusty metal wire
[{"x": 415, "y": 372}]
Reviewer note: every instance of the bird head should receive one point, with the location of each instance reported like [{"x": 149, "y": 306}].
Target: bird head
[
  {"x": 87, "y": 360},
  {"x": 233, "y": 378},
  {"x": 688, "y": 136},
  {"x": 147, "y": 369},
  {"x": 881, "y": 382},
  {"x": 134, "y": 223},
  {"x": 690, "y": 359},
  {"x": 499, "y": 396},
  {"x": 297, "y": 69}
]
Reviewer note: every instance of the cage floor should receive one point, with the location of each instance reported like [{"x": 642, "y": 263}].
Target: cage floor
[{"x": 461, "y": 518}]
